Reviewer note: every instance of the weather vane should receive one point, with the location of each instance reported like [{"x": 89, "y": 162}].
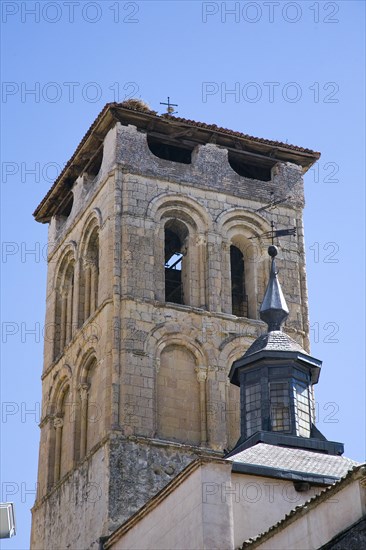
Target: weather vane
[
  {"x": 275, "y": 232},
  {"x": 170, "y": 107}
]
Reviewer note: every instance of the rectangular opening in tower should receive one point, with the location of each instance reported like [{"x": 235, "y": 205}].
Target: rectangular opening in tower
[
  {"x": 173, "y": 279},
  {"x": 239, "y": 298}
]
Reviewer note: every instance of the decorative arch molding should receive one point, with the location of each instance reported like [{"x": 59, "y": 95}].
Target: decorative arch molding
[
  {"x": 244, "y": 261},
  {"x": 69, "y": 253},
  {"x": 92, "y": 222},
  {"x": 167, "y": 211},
  {"x": 234, "y": 349},
  {"x": 159, "y": 342},
  {"x": 191, "y": 209},
  {"x": 62, "y": 377},
  {"x": 253, "y": 224},
  {"x": 84, "y": 362}
]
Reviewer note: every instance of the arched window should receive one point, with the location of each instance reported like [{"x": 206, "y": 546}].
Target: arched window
[
  {"x": 181, "y": 235},
  {"x": 63, "y": 444},
  {"x": 239, "y": 299},
  {"x": 89, "y": 411},
  {"x": 175, "y": 249},
  {"x": 64, "y": 305},
  {"x": 245, "y": 260},
  {"x": 89, "y": 279}
]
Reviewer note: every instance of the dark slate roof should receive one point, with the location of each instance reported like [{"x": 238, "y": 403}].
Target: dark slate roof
[
  {"x": 274, "y": 310},
  {"x": 297, "y": 460},
  {"x": 275, "y": 340},
  {"x": 357, "y": 472}
]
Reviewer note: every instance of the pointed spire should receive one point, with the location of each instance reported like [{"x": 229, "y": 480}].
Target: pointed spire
[{"x": 274, "y": 310}]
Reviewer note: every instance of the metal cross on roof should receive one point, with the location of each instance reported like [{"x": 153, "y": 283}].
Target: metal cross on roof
[{"x": 170, "y": 107}]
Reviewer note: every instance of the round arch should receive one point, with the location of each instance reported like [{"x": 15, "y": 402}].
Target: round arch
[
  {"x": 92, "y": 223},
  {"x": 190, "y": 210},
  {"x": 68, "y": 255}
]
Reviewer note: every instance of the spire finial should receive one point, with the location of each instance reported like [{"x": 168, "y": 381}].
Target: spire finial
[{"x": 274, "y": 310}]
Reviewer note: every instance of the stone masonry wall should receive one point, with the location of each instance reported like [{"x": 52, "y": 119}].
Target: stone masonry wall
[{"x": 131, "y": 199}]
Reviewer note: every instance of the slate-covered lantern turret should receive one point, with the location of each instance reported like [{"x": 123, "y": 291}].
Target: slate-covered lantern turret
[{"x": 276, "y": 376}]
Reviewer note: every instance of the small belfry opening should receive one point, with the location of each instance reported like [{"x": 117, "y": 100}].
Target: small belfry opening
[
  {"x": 250, "y": 170},
  {"x": 239, "y": 297},
  {"x": 167, "y": 151},
  {"x": 65, "y": 207},
  {"x": 175, "y": 236}
]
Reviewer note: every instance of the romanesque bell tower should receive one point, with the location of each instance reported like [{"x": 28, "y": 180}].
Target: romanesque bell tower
[{"x": 158, "y": 231}]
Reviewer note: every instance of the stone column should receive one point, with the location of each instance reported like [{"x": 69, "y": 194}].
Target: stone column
[
  {"x": 156, "y": 405},
  {"x": 213, "y": 272},
  {"x": 58, "y": 424},
  {"x": 201, "y": 372},
  {"x": 83, "y": 391},
  {"x": 227, "y": 412},
  {"x": 201, "y": 245},
  {"x": 69, "y": 305},
  {"x": 63, "y": 321},
  {"x": 226, "y": 277},
  {"x": 93, "y": 287},
  {"x": 87, "y": 281},
  {"x": 76, "y": 291}
]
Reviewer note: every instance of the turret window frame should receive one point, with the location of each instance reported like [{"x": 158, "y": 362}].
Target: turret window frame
[
  {"x": 253, "y": 408},
  {"x": 302, "y": 402},
  {"x": 280, "y": 406}
]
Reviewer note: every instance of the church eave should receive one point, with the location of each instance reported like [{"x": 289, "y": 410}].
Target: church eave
[
  {"x": 279, "y": 473},
  {"x": 168, "y": 128}
]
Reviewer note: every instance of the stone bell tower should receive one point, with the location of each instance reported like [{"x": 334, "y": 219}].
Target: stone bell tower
[{"x": 158, "y": 232}]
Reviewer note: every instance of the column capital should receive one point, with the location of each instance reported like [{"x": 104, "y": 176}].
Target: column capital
[
  {"x": 201, "y": 239},
  {"x": 58, "y": 422},
  {"x": 201, "y": 372},
  {"x": 89, "y": 261},
  {"x": 83, "y": 390},
  {"x": 157, "y": 364}
]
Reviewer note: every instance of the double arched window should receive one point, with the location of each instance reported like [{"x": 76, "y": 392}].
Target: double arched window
[
  {"x": 76, "y": 417},
  {"x": 76, "y": 287}
]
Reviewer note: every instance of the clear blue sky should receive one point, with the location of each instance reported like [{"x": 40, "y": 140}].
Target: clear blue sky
[{"x": 297, "y": 73}]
